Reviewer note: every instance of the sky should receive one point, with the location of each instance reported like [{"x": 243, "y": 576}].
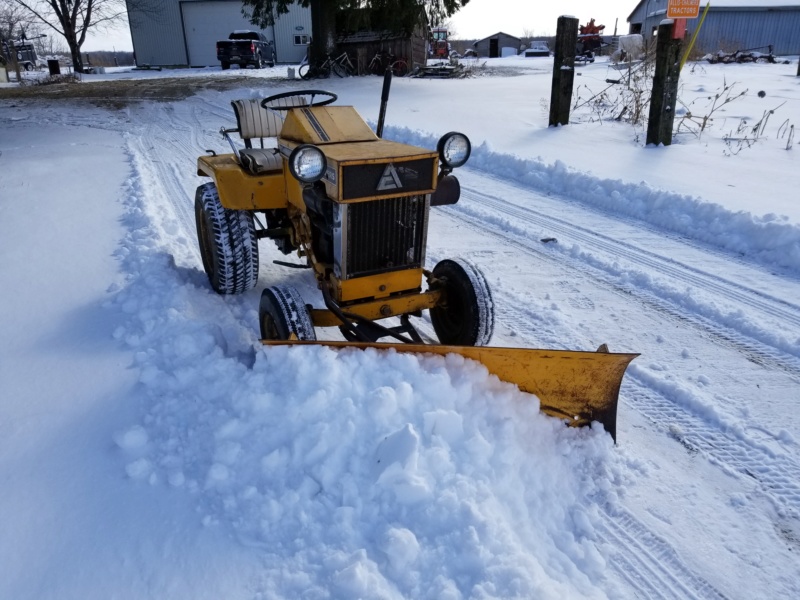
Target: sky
[
  {"x": 150, "y": 447},
  {"x": 480, "y": 18}
]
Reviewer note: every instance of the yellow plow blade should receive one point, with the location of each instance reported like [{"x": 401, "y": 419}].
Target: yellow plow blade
[{"x": 579, "y": 387}]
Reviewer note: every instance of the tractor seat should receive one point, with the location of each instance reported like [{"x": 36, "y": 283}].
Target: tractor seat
[
  {"x": 259, "y": 161},
  {"x": 256, "y": 122}
]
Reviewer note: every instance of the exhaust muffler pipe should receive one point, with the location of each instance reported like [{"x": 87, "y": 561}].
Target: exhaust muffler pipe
[{"x": 387, "y": 83}]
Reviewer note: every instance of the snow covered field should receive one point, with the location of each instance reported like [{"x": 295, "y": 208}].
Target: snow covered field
[{"x": 150, "y": 448}]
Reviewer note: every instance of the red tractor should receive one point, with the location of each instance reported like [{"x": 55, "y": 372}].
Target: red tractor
[
  {"x": 439, "y": 46},
  {"x": 590, "y": 37}
]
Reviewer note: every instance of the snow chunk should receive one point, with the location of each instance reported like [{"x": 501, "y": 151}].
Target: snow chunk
[
  {"x": 134, "y": 438},
  {"x": 446, "y": 424},
  {"x": 139, "y": 469},
  {"x": 401, "y": 547}
]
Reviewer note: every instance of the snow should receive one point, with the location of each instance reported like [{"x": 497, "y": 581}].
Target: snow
[{"x": 150, "y": 447}]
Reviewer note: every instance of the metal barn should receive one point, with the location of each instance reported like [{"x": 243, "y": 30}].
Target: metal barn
[
  {"x": 731, "y": 24},
  {"x": 185, "y": 32},
  {"x": 492, "y": 46}
]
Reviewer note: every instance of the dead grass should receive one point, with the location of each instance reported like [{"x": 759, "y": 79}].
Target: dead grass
[{"x": 120, "y": 92}]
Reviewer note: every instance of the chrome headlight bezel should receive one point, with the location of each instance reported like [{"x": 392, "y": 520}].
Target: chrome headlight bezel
[
  {"x": 302, "y": 165},
  {"x": 454, "y": 149}
]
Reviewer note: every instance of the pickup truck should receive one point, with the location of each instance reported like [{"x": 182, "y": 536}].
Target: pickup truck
[{"x": 246, "y": 48}]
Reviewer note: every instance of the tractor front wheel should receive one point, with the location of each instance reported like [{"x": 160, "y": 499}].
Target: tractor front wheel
[
  {"x": 228, "y": 243},
  {"x": 465, "y": 313},
  {"x": 282, "y": 315}
]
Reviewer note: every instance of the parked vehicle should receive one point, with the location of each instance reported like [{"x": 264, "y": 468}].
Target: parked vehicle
[
  {"x": 439, "y": 46},
  {"x": 24, "y": 51},
  {"x": 537, "y": 48},
  {"x": 246, "y": 48},
  {"x": 590, "y": 41},
  {"x": 353, "y": 208}
]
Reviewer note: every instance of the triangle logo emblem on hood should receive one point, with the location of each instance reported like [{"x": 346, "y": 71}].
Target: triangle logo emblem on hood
[{"x": 390, "y": 180}]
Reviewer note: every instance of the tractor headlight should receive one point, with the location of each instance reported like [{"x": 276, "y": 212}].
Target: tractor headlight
[
  {"x": 307, "y": 163},
  {"x": 454, "y": 149}
]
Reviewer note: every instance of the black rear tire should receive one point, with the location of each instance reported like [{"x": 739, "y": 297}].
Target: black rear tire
[
  {"x": 228, "y": 243},
  {"x": 465, "y": 314},
  {"x": 225, "y": 66},
  {"x": 282, "y": 313}
]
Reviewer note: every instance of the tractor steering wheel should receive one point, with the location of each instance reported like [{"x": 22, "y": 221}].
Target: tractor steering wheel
[{"x": 300, "y": 99}]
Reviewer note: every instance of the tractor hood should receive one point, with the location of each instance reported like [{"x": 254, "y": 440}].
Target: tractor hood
[{"x": 321, "y": 125}]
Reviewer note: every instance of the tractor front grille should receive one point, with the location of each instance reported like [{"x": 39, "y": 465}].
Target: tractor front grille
[
  {"x": 379, "y": 236},
  {"x": 385, "y": 179}
]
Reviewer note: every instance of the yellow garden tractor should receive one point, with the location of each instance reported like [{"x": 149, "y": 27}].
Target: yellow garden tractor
[{"x": 320, "y": 183}]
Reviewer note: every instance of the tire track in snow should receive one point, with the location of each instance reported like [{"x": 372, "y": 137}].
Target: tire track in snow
[
  {"x": 724, "y": 444},
  {"x": 777, "y": 474},
  {"x": 768, "y": 349},
  {"x": 655, "y": 569},
  {"x": 649, "y": 564},
  {"x": 169, "y": 146}
]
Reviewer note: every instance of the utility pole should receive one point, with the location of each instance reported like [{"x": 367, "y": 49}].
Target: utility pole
[
  {"x": 665, "y": 85},
  {"x": 563, "y": 70}
]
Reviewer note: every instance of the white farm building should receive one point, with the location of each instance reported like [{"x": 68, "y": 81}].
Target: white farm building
[{"x": 185, "y": 32}]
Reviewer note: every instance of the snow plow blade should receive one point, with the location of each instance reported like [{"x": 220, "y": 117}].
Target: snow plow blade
[{"x": 579, "y": 387}]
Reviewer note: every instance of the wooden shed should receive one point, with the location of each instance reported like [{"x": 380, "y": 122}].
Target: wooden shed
[
  {"x": 364, "y": 32},
  {"x": 363, "y": 45}
]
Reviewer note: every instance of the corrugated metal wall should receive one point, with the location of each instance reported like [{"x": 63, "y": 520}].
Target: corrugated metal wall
[
  {"x": 730, "y": 29},
  {"x": 296, "y": 22},
  {"x": 159, "y": 36},
  {"x": 742, "y": 30}
]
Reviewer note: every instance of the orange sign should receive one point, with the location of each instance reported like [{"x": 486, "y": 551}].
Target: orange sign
[{"x": 683, "y": 9}]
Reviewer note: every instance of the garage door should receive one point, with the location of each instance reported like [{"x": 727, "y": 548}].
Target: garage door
[{"x": 206, "y": 22}]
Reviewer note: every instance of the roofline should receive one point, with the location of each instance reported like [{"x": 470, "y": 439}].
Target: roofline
[
  {"x": 504, "y": 33},
  {"x": 789, "y": 5}
]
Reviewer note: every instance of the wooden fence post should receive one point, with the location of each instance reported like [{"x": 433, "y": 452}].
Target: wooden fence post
[
  {"x": 563, "y": 70},
  {"x": 665, "y": 86}
]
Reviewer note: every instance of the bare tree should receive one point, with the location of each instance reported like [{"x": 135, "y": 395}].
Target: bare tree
[
  {"x": 72, "y": 19},
  {"x": 14, "y": 22}
]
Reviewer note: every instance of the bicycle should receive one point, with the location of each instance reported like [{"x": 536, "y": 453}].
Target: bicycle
[
  {"x": 383, "y": 60},
  {"x": 341, "y": 66}
]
